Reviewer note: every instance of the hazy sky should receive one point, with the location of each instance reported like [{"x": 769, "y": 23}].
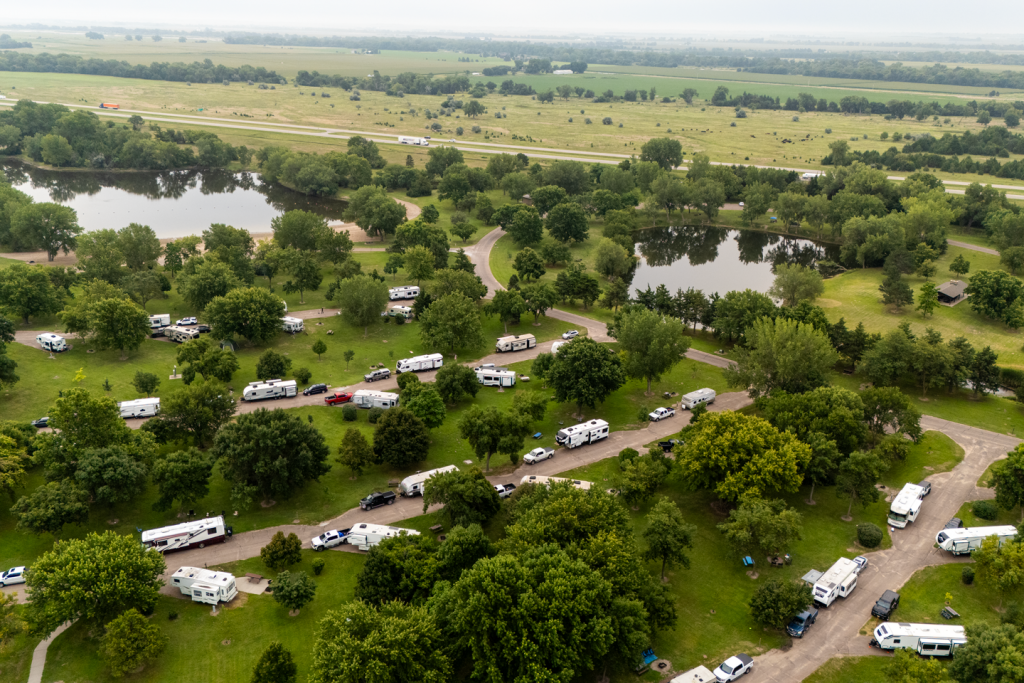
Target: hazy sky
[{"x": 952, "y": 19}]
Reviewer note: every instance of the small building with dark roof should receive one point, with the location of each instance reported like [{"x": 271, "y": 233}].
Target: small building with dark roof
[{"x": 952, "y": 292}]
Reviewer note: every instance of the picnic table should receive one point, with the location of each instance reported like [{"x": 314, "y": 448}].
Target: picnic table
[
  {"x": 254, "y": 578},
  {"x": 437, "y": 528}
]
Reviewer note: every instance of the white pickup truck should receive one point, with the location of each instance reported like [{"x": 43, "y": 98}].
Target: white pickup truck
[{"x": 537, "y": 455}]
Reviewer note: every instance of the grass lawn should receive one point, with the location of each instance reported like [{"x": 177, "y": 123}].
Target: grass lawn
[
  {"x": 849, "y": 670},
  {"x": 197, "y": 650},
  {"x": 924, "y": 596},
  {"x": 16, "y": 656},
  {"x": 1005, "y": 517},
  {"x": 935, "y": 453}
]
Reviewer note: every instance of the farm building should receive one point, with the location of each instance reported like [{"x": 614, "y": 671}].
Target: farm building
[{"x": 952, "y": 292}]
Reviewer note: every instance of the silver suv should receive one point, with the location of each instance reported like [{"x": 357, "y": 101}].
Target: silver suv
[{"x": 382, "y": 373}]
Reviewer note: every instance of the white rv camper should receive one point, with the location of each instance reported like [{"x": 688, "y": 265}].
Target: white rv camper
[
  {"x": 699, "y": 675},
  {"x": 204, "y": 585},
  {"x": 406, "y": 140},
  {"x": 292, "y": 325},
  {"x": 515, "y": 342},
  {"x": 181, "y": 334},
  {"x": 365, "y": 536},
  {"x": 272, "y": 388},
  {"x": 906, "y": 506},
  {"x": 197, "y": 534},
  {"x": 414, "y": 483},
  {"x": 52, "y": 342},
  {"x": 364, "y": 398},
  {"x": 159, "y": 320},
  {"x": 495, "y": 377},
  {"x": 581, "y": 434},
  {"x": 930, "y": 640},
  {"x": 557, "y": 345},
  {"x": 966, "y": 541},
  {"x": 431, "y": 361},
  {"x": 143, "y": 407},
  {"x": 409, "y": 292},
  {"x": 400, "y": 312},
  {"x": 547, "y": 481},
  {"x": 837, "y": 582},
  {"x": 695, "y": 398}
]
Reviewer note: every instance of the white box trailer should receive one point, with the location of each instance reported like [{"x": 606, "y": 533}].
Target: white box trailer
[
  {"x": 431, "y": 361},
  {"x": 495, "y": 377},
  {"x": 272, "y": 388},
  {"x": 143, "y": 407},
  {"x": 906, "y": 506},
  {"x": 699, "y": 675},
  {"x": 159, "y": 320},
  {"x": 695, "y": 398},
  {"x": 408, "y": 292},
  {"x": 292, "y": 325},
  {"x": 181, "y": 334},
  {"x": 196, "y": 534},
  {"x": 837, "y": 582},
  {"x": 966, "y": 541},
  {"x": 364, "y": 398},
  {"x": 515, "y": 342},
  {"x": 547, "y": 481},
  {"x": 930, "y": 640},
  {"x": 205, "y": 585},
  {"x": 365, "y": 536},
  {"x": 581, "y": 434},
  {"x": 406, "y": 140},
  {"x": 413, "y": 484},
  {"x": 52, "y": 342}
]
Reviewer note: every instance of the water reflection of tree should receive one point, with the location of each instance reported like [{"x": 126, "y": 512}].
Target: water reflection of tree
[
  {"x": 751, "y": 244},
  {"x": 665, "y": 246}
]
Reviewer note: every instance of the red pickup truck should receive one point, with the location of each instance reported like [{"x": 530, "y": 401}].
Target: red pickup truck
[{"x": 339, "y": 397}]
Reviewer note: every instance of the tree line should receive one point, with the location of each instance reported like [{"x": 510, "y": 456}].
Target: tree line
[{"x": 196, "y": 72}]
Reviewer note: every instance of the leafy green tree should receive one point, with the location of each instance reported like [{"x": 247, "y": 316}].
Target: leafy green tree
[
  {"x": 12, "y": 466},
  {"x": 782, "y": 354},
  {"x": 120, "y": 324},
  {"x": 708, "y": 196},
  {"x": 525, "y": 225},
  {"x": 795, "y": 283},
  {"x": 508, "y": 305},
  {"x": 294, "y": 591},
  {"x": 100, "y": 257},
  {"x": 450, "y": 281},
  {"x": 394, "y": 264},
  {"x": 354, "y": 452},
  {"x": 1008, "y": 481},
  {"x": 203, "y": 280},
  {"x": 989, "y": 655},
  {"x": 834, "y": 412},
  {"x": 736, "y": 455},
  {"x": 361, "y": 301},
  {"x": 857, "y": 477},
  {"x": 130, "y": 641},
  {"x": 454, "y": 382},
  {"x": 202, "y": 356},
  {"x": 428, "y": 406},
  {"x": 114, "y": 474},
  {"x": 304, "y": 268},
  {"x": 906, "y": 667},
  {"x": 441, "y": 158},
  {"x": 1000, "y": 566},
  {"x": 767, "y": 525},
  {"x": 374, "y": 211},
  {"x": 451, "y": 322},
  {"x": 612, "y": 260},
  {"x": 528, "y": 264},
  {"x": 568, "y": 223},
  {"x": 11, "y": 623},
  {"x": 650, "y": 345},
  {"x": 666, "y": 152},
  {"x": 736, "y": 312},
  {"x": 789, "y": 206},
  {"x": 668, "y": 536},
  {"x": 983, "y": 375},
  {"x": 402, "y": 568},
  {"x": 775, "y": 601},
  {"x": 140, "y": 246},
  {"x": 419, "y": 263},
  {"x": 463, "y": 231},
  {"x": 467, "y": 497},
  {"x": 489, "y": 430},
  {"x": 94, "y": 579},
  {"x": 282, "y": 551},
  {"x": 400, "y": 438},
  {"x": 547, "y": 197},
  {"x": 144, "y": 286},
  {"x": 47, "y": 509},
  {"x": 890, "y": 359},
  {"x": 275, "y": 665},
  {"x": 145, "y": 383},
  {"x": 889, "y": 410},
  {"x": 993, "y": 293},
  {"x": 960, "y": 266},
  {"x": 43, "y": 225},
  {"x": 182, "y": 476},
  {"x": 27, "y": 291},
  {"x": 585, "y": 373},
  {"x": 927, "y": 299},
  {"x": 640, "y": 478},
  {"x": 299, "y": 229},
  {"x": 270, "y": 453},
  {"x": 538, "y": 297},
  {"x": 395, "y": 641},
  {"x": 757, "y": 199},
  {"x": 272, "y": 364},
  {"x": 517, "y": 184},
  {"x": 896, "y": 292}
]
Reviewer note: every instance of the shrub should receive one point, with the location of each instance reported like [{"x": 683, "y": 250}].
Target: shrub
[
  {"x": 732, "y": 125},
  {"x": 828, "y": 131},
  {"x": 171, "y": 616},
  {"x": 475, "y": 129},
  {"x": 869, "y": 535},
  {"x": 302, "y": 375},
  {"x": 281, "y": 551},
  {"x": 627, "y": 455},
  {"x": 349, "y": 413},
  {"x": 587, "y": 121},
  {"x": 318, "y": 565},
  {"x": 967, "y": 574},
  {"x": 459, "y": 130},
  {"x": 643, "y": 414},
  {"x": 796, "y": 118},
  {"x": 985, "y": 509},
  {"x": 375, "y": 414},
  {"x": 607, "y": 120}
]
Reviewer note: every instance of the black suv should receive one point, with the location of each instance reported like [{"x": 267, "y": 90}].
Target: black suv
[
  {"x": 315, "y": 389},
  {"x": 375, "y": 500},
  {"x": 886, "y": 605}
]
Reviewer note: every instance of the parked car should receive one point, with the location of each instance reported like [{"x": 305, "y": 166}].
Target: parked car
[
  {"x": 339, "y": 397},
  {"x": 861, "y": 562},
  {"x": 41, "y": 422},
  {"x": 376, "y": 499},
  {"x": 314, "y": 389},
  {"x": 734, "y": 667},
  {"x": 661, "y": 413},
  {"x": 12, "y": 576},
  {"x": 886, "y": 605},
  {"x": 328, "y": 539},
  {"x": 955, "y": 523},
  {"x": 669, "y": 445},
  {"x": 380, "y": 373},
  {"x": 504, "y": 490},
  {"x": 801, "y": 623},
  {"x": 537, "y": 455},
  {"x": 187, "y": 321},
  {"x": 201, "y": 328},
  {"x": 927, "y": 486},
  {"x": 571, "y": 334}
]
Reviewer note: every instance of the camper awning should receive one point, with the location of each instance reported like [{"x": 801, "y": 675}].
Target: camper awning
[{"x": 812, "y": 576}]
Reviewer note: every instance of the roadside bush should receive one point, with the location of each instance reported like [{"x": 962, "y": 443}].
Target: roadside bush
[
  {"x": 302, "y": 375},
  {"x": 697, "y": 412},
  {"x": 967, "y": 574},
  {"x": 374, "y": 415},
  {"x": 349, "y": 413},
  {"x": 318, "y": 565},
  {"x": 828, "y": 131},
  {"x": 607, "y": 120},
  {"x": 627, "y": 455},
  {"x": 642, "y": 415},
  {"x": 281, "y": 551},
  {"x": 985, "y": 509},
  {"x": 869, "y": 535}
]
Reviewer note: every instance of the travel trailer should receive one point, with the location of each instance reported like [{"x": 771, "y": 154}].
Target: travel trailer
[
  {"x": 547, "y": 481},
  {"x": 365, "y": 536},
  {"x": 52, "y": 342},
  {"x": 409, "y": 292},
  {"x": 699, "y": 675},
  {"x": 414, "y": 483},
  {"x": 159, "y": 320},
  {"x": 431, "y": 361},
  {"x": 292, "y": 325},
  {"x": 930, "y": 640},
  {"x": 205, "y": 585},
  {"x": 695, "y": 398},
  {"x": 364, "y": 398},
  {"x": 581, "y": 434},
  {"x": 557, "y": 345},
  {"x": 906, "y": 506},
  {"x": 272, "y": 388},
  {"x": 516, "y": 342},
  {"x": 837, "y": 582},
  {"x": 181, "y": 334},
  {"x": 966, "y": 541},
  {"x": 495, "y": 377},
  {"x": 400, "y": 312},
  {"x": 196, "y": 534},
  {"x": 143, "y": 407}
]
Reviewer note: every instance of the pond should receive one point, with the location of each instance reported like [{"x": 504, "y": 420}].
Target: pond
[
  {"x": 173, "y": 203},
  {"x": 718, "y": 259}
]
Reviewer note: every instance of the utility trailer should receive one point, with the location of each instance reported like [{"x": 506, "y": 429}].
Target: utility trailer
[
  {"x": 583, "y": 433},
  {"x": 143, "y": 407},
  {"x": 431, "y": 361},
  {"x": 515, "y": 342},
  {"x": 366, "y": 536},
  {"x": 196, "y": 534},
  {"x": 272, "y": 388},
  {"x": 838, "y": 582},
  {"x": 906, "y": 506},
  {"x": 966, "y": 541},
  {"x": 204, "y": 585},
  {"x": 929, "y": 640}
]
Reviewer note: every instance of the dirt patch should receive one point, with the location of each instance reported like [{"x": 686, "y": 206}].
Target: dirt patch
[
  {"x": 238, "y": 602},
  {"x": 828, "y": 303},
  {"x": 268, "y": 503},
  {"x": 752, "y": 574}
]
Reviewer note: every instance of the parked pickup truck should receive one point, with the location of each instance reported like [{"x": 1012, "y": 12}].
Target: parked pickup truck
[
  {"x": 537, "y": 455},
  {"x": 800, "y": 624},
  {"x": 376, "y": 499},
  {"x": 504, "y": 490},
  {"x": 669, "y": 445},
  {"x": 886, "y": 605}
]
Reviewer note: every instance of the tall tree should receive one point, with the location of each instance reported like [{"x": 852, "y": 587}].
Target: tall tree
[
  {"x": 585, "y": 372},
  {"x": 668, "y": 537},
  {"x": 275, "y": 665},
  {"x": 467, "y": 497},
  {"x": 119, "y": 324},
  {"x": 304, "y": 268},
  {"x": 182, "y": 476},
  {"x": 294, "y": 591},
  {"x": 795, "y": 283},
  {"x": 203, "y": 280},
  {"x": 491, "y": 431},
  {"x": 782, "y": 354},
  {"x": 539, "y": 297},
  {"x": 361, "y": 300},
  {"x": 354, "y": 452},
  {"x": 775, "y": 601},
  {"x": 400, "y": 438},
  {"x": 650, "y": 344},
  {"x": 419, "y": 263},
  {"x": 451, "y": 322},
  {"x": 666, "y": 152},
  {"x": 27, "y": 291},
  {"x": 1008, "y": 481},
  {"x": 768, "y": 525},
  {"x": 140, "y": 246},
  {"x": 47, "y": 226},
  {"x": 455, "y": 381},
  {"x": 568, "y": 223},
  {"x": 508, "y": 305},
  {"x": 857, "y": 477},
  {"x": 47, "y": 509},
  {"x": 197, "y": 411}
]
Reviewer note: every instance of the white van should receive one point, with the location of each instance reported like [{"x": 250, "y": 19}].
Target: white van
[
  {"x": 143, "y": 407},
  {"x": 413, "y": 484},
  {"x": 515, "y": 342},
  {"x": 52, "y": 342},
  {"x": 272, "y": 388},
  {"x": 409, "y": 292},
  {"x": 695, "y": 398},
  {"x": 292, "y": 325},
  {"x": 431, "y": 361}
]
